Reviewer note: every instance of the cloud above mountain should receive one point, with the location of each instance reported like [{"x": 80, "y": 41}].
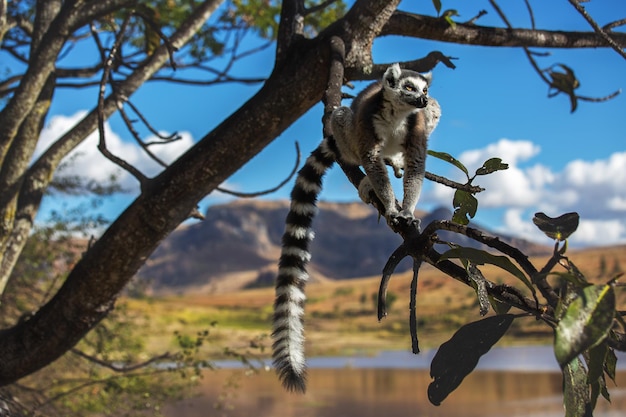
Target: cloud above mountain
[{"x": 593, "y": 188}]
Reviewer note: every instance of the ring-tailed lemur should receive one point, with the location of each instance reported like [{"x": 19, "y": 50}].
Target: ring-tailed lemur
[{"x": 388, "y": 124}]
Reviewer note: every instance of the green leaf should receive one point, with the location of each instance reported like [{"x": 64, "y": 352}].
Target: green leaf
[
  {"x": 450, "y": 159},
  {"x": 498, "y": 306},
  {"x": 610, "y": 364},
  {"x": 558, "y": 228},
  {"x": 586, "y": 323},
  {"x": 492, "y": 165},
  {"x": 437, "y": 4},
  {"x": 481, "y": 257},
  {"x": 575, "y": 391},
  {"x": 457, "y": 357},
  {"x": 595, "y": 373},
  {"x": 465, "y": 207}
]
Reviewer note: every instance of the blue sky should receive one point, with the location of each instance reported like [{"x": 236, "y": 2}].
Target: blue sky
[{"x": 493, "y": 104}]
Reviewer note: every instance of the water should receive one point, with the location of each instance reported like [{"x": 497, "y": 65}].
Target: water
[{"x": 510, "y": 382}]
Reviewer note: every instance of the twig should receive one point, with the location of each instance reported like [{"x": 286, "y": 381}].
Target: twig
[
  {"x": 541, "y": 72},
  {"x": 108, "y": 61},
  {"x": 155, "y": 27},
  {"x": 531, "y": 14},
  {"x": 135, "y": 135},
  {"x": 480, "y": 14},
  {"x": 124, "y": 368},
  {"x": 164, "y": 138},
  {"x": 617, "y": 23},
  {"x": 619, "y": 49},
  {"x": 271, "y": 190},
  {"x": 316, "y": 8}
]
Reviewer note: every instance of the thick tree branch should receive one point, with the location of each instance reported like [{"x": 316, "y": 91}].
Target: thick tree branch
[
  {"x": 93, "y": 285},
  {"x": 426, "y": 27}
]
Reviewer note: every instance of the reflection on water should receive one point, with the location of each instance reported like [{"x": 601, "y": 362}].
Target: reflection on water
[{"x": 386, "y": 392}]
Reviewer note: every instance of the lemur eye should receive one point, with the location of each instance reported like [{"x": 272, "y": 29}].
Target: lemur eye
[
  {"x": 425, "y": 90},
  {"x": 409, "y": 87}
]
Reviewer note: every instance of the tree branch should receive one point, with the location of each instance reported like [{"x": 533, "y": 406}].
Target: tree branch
[
  {"x": 425, "y": 27},
  {"x": 609, "y": 40}
]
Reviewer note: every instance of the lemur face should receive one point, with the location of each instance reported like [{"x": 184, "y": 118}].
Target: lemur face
[{"x": 406, "y": 89}]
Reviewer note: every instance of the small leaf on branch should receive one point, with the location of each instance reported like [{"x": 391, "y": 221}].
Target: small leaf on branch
[
  {"x": 465, "y": 207},
  {"x": 457, "y": 357},
  {"x": 450, "y": 159},
  {"x": 437, "y": 4},
  {"x": 575, "y": 390},
  {"x": 481, "y": 257},
  {"x": 558, "y": 228},
  {"x": 492, "y": 165},
  {"x": 586, "y": 323},
  {"x": 595, "y": 373}
]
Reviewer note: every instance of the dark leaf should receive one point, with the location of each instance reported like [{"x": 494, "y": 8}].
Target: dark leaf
[
  {"x": 481, "y": 257},
  {"x": 457, "y": 357},
  {"x": 558, "y": 228},
  {"x": 498, "y": 306},
  {"x": 492, "y": 165},
  {"x": 465, "y": 207},
  {"x": 586, "y": 323},
  {"x": 575, "y": 391},
  {"x": 450, "y": 159},
  {"x": 437, "y": 4},
  {"x": 610, "y": 364},
  {"x": 595, "y": 372}
]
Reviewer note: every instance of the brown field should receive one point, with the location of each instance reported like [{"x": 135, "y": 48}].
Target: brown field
[{"x": 340, "y": 315}]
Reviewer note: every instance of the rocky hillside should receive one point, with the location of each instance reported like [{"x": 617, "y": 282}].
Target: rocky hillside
[{"x": 238, "y": 245}]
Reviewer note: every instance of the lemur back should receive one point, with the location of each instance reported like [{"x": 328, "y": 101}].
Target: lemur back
[{"x": 388, "y": 123}]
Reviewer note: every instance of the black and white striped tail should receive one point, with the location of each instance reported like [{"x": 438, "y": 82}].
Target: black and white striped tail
[{"x": 288, "y": 329}]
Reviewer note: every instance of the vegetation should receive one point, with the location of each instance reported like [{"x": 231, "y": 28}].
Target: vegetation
[{"x": 319, "y": 46}]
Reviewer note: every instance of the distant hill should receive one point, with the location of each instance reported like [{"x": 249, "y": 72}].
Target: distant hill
[{"x": 238, "y": 245}]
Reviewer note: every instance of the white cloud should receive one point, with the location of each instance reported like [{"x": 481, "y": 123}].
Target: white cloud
[
  {"x": 87, "y": 161},
  {"x": 595, "y": 189}
]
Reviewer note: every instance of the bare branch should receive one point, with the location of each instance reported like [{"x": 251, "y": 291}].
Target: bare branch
[
  {"x": 271, "y": 190},
  {"x": 569, "y": 89},
  {"x": 124, "y": 368},
  {"x": 108, "y": 63},
  {"x": 424, "y": 64},
  {"x": 164, "y": 139},
  {"x": 475, "y": 18},
  {"x": 136, "y": 136},
  {"x": 426, "y": 27},
  {"x": 617, "y": 23},
  {"x": 531, "y": 14},
  {"x": 609, "y": 40},
  {"x": 318, "y": 7}
]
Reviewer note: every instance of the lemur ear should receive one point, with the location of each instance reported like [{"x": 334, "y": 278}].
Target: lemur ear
[
  {"x": 429, "y": 77},
  {"x": 392, "y": 75}
]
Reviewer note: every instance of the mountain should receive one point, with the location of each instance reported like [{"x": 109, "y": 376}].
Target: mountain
[{"x": 238, "y": 245}]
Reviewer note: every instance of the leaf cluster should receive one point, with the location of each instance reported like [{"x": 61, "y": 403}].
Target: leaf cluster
[
  {"x": 588, "y": 326},
  {"x": 465, "y": 203}
]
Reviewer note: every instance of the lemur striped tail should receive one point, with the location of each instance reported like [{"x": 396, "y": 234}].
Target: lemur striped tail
[{"x": 288, "y": 329}]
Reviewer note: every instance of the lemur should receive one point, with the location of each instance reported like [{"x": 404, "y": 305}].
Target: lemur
[{"x": 388, "y": 123}]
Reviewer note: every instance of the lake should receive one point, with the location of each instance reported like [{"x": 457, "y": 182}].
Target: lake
[{"x": 508, "y": 382}]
